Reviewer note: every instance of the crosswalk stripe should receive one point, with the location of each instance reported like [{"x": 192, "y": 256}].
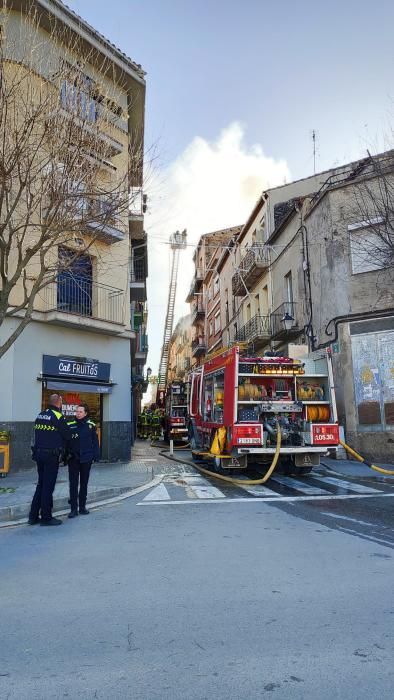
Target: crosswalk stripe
[
  {"x": 260, "y": 491},
  {"x": 266, "y": 499},
  {"x": 349, "y": 485},
  {"x": 205, "y": 492},
  {"x": 159, "y": 493},
  {"x": 301, "y": 486},
  {"x": 199, "y": 489}
]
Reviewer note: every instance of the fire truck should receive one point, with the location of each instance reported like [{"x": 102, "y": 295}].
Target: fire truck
[
  {"x": 175, "y": 405},
  {"x": 251, "y": 397}
]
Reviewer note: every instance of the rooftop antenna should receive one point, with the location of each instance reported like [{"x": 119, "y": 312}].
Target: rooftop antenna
[{"x": 314, "y": 150}]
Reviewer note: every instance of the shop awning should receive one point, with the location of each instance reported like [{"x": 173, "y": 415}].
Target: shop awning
[{"x": 79, "y": 386}]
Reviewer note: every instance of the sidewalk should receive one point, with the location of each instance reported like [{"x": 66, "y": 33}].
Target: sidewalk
[
  {"x": 349, "y": 467},
  {"x": 107, "y": 481}
]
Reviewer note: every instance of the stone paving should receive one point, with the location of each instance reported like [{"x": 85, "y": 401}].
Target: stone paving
[{"x": 107, "y": 480}]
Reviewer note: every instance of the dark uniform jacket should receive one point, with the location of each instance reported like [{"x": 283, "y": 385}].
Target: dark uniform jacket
[
  {"x": 84, "y": 444},
  {"x": 51, "y": 432}
]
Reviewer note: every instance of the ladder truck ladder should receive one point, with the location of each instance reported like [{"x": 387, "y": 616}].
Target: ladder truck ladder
[{"x": 177, "y": 243}]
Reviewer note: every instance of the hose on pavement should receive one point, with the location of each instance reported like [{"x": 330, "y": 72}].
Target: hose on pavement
[{"x": 359, "y": 458}]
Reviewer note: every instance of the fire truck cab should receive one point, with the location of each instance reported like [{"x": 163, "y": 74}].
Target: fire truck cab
[{"x": 252, "y": 396}]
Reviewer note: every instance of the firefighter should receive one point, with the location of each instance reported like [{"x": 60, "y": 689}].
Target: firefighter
[
  {"x": 156, "y": 424},
  {"x": 143, "y": 425},
  {"x": 51, "y": 435},
  {"x": 83, "y": 450}
]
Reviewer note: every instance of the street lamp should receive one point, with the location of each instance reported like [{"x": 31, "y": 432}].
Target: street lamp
[{"x": 288, "y": 321}]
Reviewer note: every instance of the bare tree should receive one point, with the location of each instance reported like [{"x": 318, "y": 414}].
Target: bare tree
[
  {"x": 59, "y": 190},
  {"x": 372, "y": 238}
]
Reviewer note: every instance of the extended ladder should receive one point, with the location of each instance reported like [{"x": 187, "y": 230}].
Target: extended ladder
[{"x": 177, "y": 243}]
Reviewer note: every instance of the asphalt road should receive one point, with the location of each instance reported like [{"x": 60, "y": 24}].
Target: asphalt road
[{"x": 200, "y": 596}]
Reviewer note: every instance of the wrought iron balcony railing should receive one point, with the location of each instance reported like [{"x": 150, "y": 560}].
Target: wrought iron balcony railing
[
  {"x": 254, "y": 329},
  {"x": 254, "y": 262},
  {"x": 81, "y": 296},
  {"x": 284, "y": 322}
]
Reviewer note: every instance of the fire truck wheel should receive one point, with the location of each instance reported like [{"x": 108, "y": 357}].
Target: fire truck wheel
[
  {"x": 300, "y": 471},
  {"x": 286, "y": 466}
]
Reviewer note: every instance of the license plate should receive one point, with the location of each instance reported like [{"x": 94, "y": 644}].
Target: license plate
[
  {"x": 307, "y": 460},
  {"x": 248, "y": 441}
]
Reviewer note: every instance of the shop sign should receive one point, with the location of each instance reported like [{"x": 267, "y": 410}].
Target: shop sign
[{"x": 77, "y": 368}]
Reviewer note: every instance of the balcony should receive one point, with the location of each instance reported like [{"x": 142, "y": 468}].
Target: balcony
[
  {"x": 197, "y": 310},
  {"x": 199, "y": 346},
  {"x": 137, "y": 209},
  {"x": 256, "y": 329},
  {"x": 141, "y": 344},
  {"x": 80, "y": 107},
  {"x": 81, "y": 303},
  {"x": 138, "y": 275},
  {"x": 196, "y": 284},
  {"x": 284, "y": 324},
  {"x": 253, "y": 264},
  {"x": 102, "y": 220}
]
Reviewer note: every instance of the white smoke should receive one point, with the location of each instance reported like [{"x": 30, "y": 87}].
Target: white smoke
[{"x": 210, "y": 186}]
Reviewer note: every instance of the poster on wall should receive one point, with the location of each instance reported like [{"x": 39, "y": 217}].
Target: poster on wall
[
  {"x": 373, "y": 372},
  {"x": 386, "y": 355}
]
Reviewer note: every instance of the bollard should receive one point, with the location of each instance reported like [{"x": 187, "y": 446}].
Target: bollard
[{"x": 171, "y": 447}]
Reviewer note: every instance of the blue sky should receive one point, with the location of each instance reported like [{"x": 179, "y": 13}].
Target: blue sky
[{"x": 239, "y": 86}]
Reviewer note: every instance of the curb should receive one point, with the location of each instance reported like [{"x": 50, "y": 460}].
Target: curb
[
  {"x": 94, "y": 504},
  {"x": 373, "y": 476}
]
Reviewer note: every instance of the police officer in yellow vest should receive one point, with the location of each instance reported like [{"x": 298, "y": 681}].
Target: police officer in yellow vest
[
  {"x": 83, "y": 450},
  {"x": 51, "y": 435}
]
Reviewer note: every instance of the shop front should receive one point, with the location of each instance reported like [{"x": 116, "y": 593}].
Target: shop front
[{"x": 77, "y": 380}]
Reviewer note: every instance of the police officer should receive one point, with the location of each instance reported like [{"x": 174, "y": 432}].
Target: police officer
[
  {"x": 51, "y": 435},
  {"x": 84, "y": 449}
]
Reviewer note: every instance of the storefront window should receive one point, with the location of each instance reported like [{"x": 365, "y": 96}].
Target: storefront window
[{"x": 72, "y": 399}]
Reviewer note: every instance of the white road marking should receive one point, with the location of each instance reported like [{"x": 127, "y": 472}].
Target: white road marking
[
  {"x": 260, "y": 490},
  {"x": 301, "y": 486},
  {"x": 289, "y": 499},
  {"x": 194, "y": 491},
  {"x": 349, "y": 485},
  {"x": 160, "y": 493}
]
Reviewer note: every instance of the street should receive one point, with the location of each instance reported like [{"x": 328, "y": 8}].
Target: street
[{"x": 181, "y": 592}]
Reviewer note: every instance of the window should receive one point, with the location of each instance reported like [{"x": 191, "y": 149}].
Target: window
[
  {"x": 289, "y": 288},
  {"x": 257, "y": 304},
  {"x": 216, "y": 286},
  {"x": 369, "y": 248},
  {"x": 217, "y": 322},
  {"x": 265, "y": 304},
  {"x": 248, "y": 312},
  {"x": 210, "y": 328},
  {"x": 74, "y": 282},
  {"x": 213, "y": 397}
]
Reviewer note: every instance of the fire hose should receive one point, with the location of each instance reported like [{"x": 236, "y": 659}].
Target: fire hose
[
  {"x": 365, "y": 461},
  {"x": 239, "y": 482}
]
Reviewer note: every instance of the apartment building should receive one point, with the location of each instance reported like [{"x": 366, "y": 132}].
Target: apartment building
[
  {"x": 87, "y": 334},
  {"x": 204, "y": 295},
  {"x": 179, "y": 355},
  {"x": 332, "y": 264}
]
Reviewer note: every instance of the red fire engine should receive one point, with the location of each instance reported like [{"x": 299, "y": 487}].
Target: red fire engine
[
  {"x": 175, "y": 404},
  {"x": 251, "y": 396}
]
